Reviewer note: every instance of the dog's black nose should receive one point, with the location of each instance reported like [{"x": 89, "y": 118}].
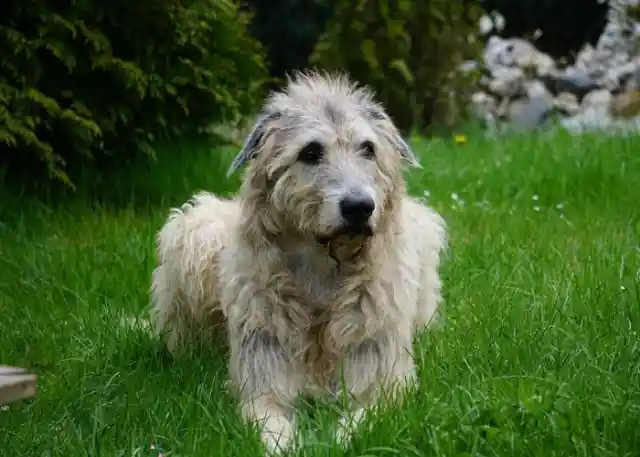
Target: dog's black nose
[{"x": 357, "y": 209}]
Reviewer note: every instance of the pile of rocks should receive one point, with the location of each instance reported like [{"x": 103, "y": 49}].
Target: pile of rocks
[{"x": 524, "y": 88}]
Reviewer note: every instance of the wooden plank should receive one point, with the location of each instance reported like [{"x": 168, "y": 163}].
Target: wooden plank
[{"x": 15, "y": 384}]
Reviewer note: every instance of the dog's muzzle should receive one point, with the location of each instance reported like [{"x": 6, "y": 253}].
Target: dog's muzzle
[
  {"x": 347, "y": 243},
  {"x": 349, "y": 240}
]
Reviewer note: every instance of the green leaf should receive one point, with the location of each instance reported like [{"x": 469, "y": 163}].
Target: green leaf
[
  {"x": 368, "y": 48},
  {"x": 403, "y": 69}
]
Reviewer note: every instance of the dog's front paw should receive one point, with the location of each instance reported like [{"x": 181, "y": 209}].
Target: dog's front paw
[
  {"x": 348, "y": 425},
  {"x": 277, "y": 434}
]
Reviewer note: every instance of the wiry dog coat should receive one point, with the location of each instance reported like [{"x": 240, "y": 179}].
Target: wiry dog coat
[{"x": 321, "y": 270}]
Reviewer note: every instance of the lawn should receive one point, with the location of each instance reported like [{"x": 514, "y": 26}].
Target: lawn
[{"x": 539, "y": 354}]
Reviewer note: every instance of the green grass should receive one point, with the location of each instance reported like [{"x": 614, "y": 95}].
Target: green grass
[{"x": 539, "y": 354}]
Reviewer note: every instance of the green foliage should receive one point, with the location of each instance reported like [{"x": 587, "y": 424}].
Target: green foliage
[
  {"x": 407, "y": 51},
  {"x": 87, "y": 80}
]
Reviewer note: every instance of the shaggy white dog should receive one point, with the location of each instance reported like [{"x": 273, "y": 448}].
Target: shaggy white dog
[{"x": 320, "y": 271}]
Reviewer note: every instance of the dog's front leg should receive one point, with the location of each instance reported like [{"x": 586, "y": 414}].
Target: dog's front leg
[
  {"x": 376, "y": 368},
  {"x": 262, "y": 370}
]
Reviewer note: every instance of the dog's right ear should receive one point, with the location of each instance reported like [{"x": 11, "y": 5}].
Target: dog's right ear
[{"x": 255, "y": 140}]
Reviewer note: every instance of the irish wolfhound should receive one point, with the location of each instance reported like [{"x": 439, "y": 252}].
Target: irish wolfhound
[{"x": 321, "y": 270}]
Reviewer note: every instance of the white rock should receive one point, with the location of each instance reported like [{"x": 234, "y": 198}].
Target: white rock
[
  {"x": 484, "y": 108},
  {"x": 584, "y": 59},
  {"x": 529, "y": 113},
  {"x": 515, "y": 52},
  {"x": 507, "y": 82},
  {"x": 600, "y": 99},
  {"x": 485, "y": 24},
  {"x": 567, "y": 103},
  {"x": 483, "y": 102},
  {"x": 535, "y": 88},
  {"x": 615, "y": 77},
  {"x": 498, "y": 20},
  {"x": 594, "y": 113},
  {"x": 522, "y": 78}
]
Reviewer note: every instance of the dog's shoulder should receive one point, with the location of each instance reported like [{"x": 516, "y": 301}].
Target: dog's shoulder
[
  {"x": 205, "y": 220},
  {"x": 208, "y": 202},
  {"x": 421, "y": 225},
  {"x": 206, "y": 208}
]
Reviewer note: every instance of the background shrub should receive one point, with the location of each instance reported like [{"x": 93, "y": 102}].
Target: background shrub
[
  {"x": 367, "y": 35},
  {"x": 85, "y": 84},
  {"x": 407, "y": 51},
  {"x": 289, "y": 30},
  {"x": 84, "y": 80}
]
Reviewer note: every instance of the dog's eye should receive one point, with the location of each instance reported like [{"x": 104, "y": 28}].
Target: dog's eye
[
  {"x": 311, "y": 154},
  {"x": 368, "y": 150}
]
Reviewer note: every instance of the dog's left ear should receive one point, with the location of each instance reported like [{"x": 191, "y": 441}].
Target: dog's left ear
[
  {"x": 255, "y": 140},
  {"x": 385, "y": 126}
]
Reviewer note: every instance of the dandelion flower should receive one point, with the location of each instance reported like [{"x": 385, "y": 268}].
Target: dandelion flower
[{"x": 460, "y": 139}]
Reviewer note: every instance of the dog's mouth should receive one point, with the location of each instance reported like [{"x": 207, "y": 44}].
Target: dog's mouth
[
  {"x": 347, "y": 233},
  {"x": 345, "y": 244}
]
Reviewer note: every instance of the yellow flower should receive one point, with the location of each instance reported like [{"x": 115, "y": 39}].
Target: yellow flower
[{"x": 460, "y": 139}]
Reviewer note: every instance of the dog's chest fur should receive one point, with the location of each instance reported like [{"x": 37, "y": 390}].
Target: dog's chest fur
[
  {"x": 320, "y": 282},
  {"x": 317, "y": 276}
]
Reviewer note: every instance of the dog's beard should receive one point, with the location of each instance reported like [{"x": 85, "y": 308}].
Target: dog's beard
[{"x": 346, "y": 243}]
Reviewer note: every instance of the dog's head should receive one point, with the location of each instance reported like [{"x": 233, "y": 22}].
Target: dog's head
[{"x": 324, "y": 160}]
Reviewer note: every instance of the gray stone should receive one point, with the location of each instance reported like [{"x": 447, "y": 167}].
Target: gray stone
[
  {"x": 567, "y": 103},
  {"x": 598, "y": 99},
  {"x": 575, "y": 81},
  {"x": 534, "y": 88},
  {"x": 633, "y": 83},
  {"x": 484, "y": 109},
  {"x": 507, "y": 82},
  {"x": 524, "y": 86},
  {"x": 529, "y": 114},
  {"x": 515, "y": 52},
  {"x": 490, "y": 22},
  {"x": 594, "y": 113}
]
